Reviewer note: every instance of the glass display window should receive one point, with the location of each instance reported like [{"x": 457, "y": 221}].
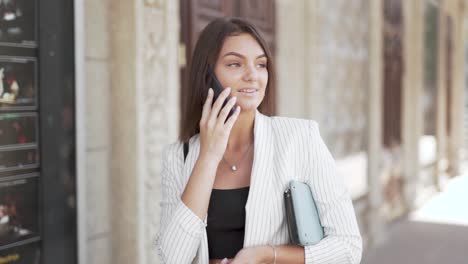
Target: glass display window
[
  {"x": 18, "y": 130},
  {"x": 19, "y": 213},
  {"x": 18, "y": 22},
  {"x": 18, "y": 159},
  {"x": 18, "y": 83},
  {"x": 23, "y": 254}
]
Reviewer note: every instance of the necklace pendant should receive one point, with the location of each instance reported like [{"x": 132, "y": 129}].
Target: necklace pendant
[{"x": 234, "y": 168}]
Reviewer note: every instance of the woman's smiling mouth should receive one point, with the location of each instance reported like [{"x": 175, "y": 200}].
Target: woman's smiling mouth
[{"x": 248, "y": 91}]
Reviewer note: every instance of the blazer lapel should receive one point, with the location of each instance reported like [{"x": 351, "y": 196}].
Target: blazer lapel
[{"x": 258, "y": 207}]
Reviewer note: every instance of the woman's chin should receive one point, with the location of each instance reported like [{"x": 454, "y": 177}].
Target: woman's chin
[{"x": 248, "y": 107}]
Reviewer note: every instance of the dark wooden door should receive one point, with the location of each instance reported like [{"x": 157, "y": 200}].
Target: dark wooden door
[
  {"x": 261, "y": 13},
  {"x": 430, "y": 66},
  {"x": 196, "y": 14}
]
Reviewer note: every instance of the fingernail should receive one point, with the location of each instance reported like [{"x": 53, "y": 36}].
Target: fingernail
[
  {"x": 234, "y": 98},
  {"x": 229, "y": 88},
  {"x": 210, "y": 91}
]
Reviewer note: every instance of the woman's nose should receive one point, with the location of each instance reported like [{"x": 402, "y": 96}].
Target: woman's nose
[{"x": 251, "y": 73}]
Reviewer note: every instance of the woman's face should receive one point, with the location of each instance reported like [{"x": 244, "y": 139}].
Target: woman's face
[{"x": 242, "y": 65}]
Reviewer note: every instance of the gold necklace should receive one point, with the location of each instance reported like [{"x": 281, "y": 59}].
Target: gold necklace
[{"x": 234, "y": 167}]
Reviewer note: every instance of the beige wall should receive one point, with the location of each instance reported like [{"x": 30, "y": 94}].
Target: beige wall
[
  {"x": 98, "y": 144},
  {"x": 291, "y": 43}
]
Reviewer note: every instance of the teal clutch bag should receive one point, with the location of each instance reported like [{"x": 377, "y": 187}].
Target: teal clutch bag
[{"x": 301, "y": 214}]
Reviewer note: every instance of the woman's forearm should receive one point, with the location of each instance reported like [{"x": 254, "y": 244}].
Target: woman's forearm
[
  {"x": 196, "y": 195},
  {"x": 285, "y": 254}
]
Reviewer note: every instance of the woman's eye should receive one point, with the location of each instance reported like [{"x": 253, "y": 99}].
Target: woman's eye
[
  {"x": 235, "y": 64},
  {"x": 262, "y": 65}
]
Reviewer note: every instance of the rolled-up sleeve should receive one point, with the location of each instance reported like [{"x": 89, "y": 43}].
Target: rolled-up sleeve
[
  {"x": 342, "y": 241},
  {"x": 181, "y": 230}
]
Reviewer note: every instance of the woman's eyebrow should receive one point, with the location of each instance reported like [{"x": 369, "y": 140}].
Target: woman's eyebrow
[{"x": 240, "y": 55}]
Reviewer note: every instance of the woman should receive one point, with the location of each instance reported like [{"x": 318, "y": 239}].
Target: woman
[{"x": 223, "y": 203}]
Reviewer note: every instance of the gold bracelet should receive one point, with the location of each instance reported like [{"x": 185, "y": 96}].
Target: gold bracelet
[{"x": 274, "y": 253}]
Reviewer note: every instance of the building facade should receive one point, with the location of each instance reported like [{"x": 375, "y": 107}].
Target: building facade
[{"x": 384, "y": 79}]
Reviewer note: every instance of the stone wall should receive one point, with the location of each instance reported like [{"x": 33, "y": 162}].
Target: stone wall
[
  {"x": 323, "y": 63},
  {"x": 339, "y": 55},
  {"x": 98, "y": 147}
]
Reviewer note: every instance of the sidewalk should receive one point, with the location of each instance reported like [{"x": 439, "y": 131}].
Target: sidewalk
[{"x": 436, "y": 233}]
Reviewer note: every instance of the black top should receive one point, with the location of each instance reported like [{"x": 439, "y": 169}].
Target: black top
[{"x": 226, "y": 222}]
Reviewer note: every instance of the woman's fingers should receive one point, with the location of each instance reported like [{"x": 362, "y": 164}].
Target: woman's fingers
[
  {"x": 213, "y": 130},
  {"x": 217, "y": 105},
  {"x": 232, "y": 119},
  {"x": 225, "y": 111},
  {"x": 207, "y": 106}
]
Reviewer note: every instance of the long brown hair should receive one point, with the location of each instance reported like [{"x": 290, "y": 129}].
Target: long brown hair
[{"x": 206, "y": 52}]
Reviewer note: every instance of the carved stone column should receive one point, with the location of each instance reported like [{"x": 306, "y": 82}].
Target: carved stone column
[
  {"x": 413, "y": 14},
  {"x": 375, "y": 220},
  {"x": 145, "y": 102},
  {"x": 441, "y": 116},
  {"x": 125, "y": 144},
  {"x": 455, "y": 146},
  {"x": 159, "y": 105}
]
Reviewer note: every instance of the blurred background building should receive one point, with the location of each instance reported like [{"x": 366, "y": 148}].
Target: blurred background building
[{"x": 98, "y": 95}]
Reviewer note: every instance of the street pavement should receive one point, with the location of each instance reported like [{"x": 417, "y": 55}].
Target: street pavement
[{"x": 435, "y": 233}]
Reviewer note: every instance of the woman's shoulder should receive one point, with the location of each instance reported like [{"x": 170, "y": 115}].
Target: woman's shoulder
[
  {"x": 174, "y": 150},
  {"x": 294, "y": 125},
  {"x": 172, "y": 147}
]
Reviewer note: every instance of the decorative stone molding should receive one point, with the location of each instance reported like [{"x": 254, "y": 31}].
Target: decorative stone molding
[
  {"x": 155, "y": 118},
  {"x": 159, "y": 4},
  {"x": 159, "y": 105}
]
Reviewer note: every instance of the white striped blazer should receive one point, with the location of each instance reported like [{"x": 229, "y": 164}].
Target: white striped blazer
[{"x": 284, "y": 149}]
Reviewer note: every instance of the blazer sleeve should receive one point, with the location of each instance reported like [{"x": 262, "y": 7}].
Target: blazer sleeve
[
  {"x": 181, "y": 231},
  {"x": 342, "y": 241}
]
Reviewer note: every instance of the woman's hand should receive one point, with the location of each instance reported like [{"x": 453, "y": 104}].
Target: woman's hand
[
  {"x": 253, "y": 255},
  {"x": 214, "y": 132}
]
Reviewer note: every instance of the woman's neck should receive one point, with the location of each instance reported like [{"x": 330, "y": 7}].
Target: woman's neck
[{"x": 242, "y": 133}]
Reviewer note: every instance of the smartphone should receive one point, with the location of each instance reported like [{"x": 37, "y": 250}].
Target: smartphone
[{"x": 217, "y": 89}]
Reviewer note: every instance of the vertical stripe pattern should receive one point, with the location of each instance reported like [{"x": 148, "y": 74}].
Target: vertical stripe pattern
[{"x": 284, "y": 149}]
